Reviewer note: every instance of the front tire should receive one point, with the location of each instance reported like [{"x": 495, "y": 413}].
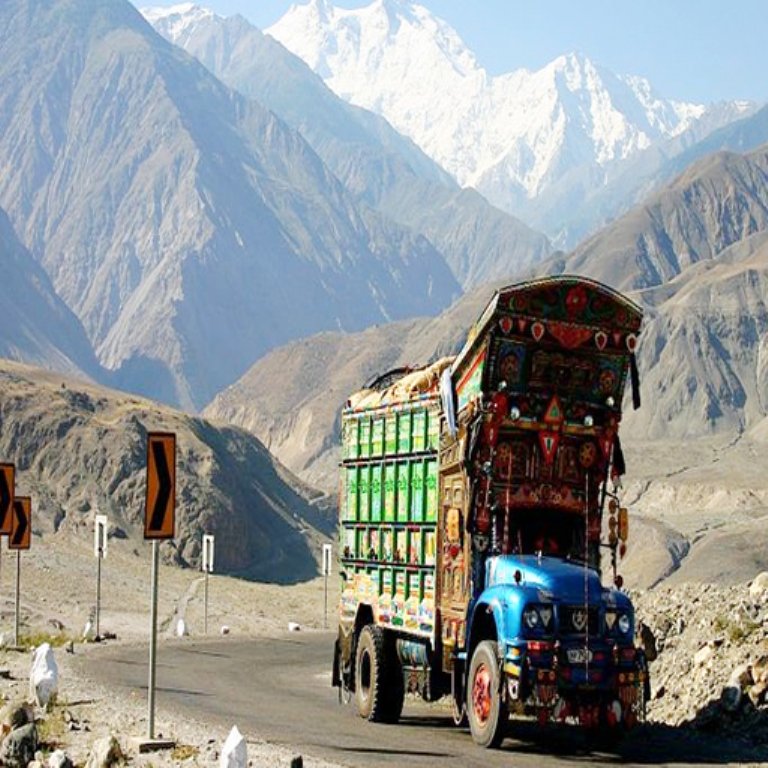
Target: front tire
[
  {"x": 379, "y": 691},
  {"x": 486, "y": 711}
]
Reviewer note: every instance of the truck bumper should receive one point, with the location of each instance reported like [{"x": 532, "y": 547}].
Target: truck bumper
[{"x": 597, "y": 684}]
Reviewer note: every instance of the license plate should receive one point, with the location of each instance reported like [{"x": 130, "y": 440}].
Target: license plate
[{"x": 579, "y": 655}]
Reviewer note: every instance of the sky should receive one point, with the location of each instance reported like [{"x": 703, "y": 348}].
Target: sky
[{"x": 691, "y": 50}]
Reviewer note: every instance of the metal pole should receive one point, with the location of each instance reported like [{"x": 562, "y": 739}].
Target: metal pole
[
  {"x": 206, "y": 602},
  {"x": 98, "y": 594},
  {"x": 153, "y": 640},
  {"x": 325, "y": 619},
  {"x": 18, "y": 592}
]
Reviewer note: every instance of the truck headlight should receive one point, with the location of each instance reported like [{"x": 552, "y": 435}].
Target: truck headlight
[
  {"x": 537, "y": 617},
  {"x": 531, "y": 618},
  {"x": 624, "y": 623}
]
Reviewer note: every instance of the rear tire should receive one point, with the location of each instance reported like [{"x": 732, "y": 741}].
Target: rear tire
[
  {"x": 486, "y": 711},
  {"x": 379, "y": 690}
]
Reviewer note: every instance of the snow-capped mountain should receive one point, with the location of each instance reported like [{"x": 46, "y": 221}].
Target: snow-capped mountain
[
  {"x": 513, "y": 136},
  {"x": 380, "y": 167}
]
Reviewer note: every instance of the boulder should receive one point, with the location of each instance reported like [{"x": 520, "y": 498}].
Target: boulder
[
  {"x": 19, "y": 747},
  {"x": 758, "y": 694},
  {"x": 760, "y": 670},
  {"x": 759, "y": 585},
  {"x": 15, "y": 714},
  {"x": 105, "y": 753},
  {"x": 59, "y": 759},
  {"x": 703, "y": 655},
  {"x": 234, "y": 753},
  {"x": 648, "y": 640},
  {"x": 730, "y": 697}
]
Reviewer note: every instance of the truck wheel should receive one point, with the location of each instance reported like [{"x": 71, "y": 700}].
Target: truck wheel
[
  {"x": 379, "y": 690},
  {"x": 486, "y": 711}
]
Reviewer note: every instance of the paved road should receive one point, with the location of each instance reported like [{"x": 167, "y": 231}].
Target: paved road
[{"x": 279, "y": 690}]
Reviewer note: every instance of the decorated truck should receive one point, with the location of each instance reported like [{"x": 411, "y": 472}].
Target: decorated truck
[{"x": 480, "y": 521}]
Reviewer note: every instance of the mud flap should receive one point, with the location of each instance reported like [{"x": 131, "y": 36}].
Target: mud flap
[{"x": 336, "y": 674}]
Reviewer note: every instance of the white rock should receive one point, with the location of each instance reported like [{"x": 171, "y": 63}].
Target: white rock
[
  {"x": 44, "y": 676},
  {"x": 181, "y": 628},
  {"x": 105, "y": 752},
  {"x": 759, "y": 586},
  {"x": 741, "y": 676},
  {"x": 294, "y": 627},
  {"x": 88, "y": 631},
  {"x": 234, "y": 753},
  {"x": 59, "y": 759},
  {"x": 703, "y": 655}
]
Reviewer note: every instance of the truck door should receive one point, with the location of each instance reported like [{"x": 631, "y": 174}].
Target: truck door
[{"x": 454, "y": 563}]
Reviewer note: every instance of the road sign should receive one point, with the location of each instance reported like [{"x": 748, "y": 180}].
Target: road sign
[
  {"x": 327, "y": 550},
  {"x": 21, "y": 527},
  {"x": 159, "y": 518},
  {"x": 7, "y": 490},
  {"x": 100, "y": 536},
  {"x": 208, "y": 552}
]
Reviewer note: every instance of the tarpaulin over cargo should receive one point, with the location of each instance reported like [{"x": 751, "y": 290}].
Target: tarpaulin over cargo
[{"x": 419, "y": 381}]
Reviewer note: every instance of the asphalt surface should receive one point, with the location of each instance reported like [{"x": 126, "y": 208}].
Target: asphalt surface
[{"x": 279, "y": 690}]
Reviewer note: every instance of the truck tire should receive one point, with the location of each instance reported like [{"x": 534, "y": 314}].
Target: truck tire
[
  {"x": 379, "y": 690},
  {"x": 486, "y": 711}
]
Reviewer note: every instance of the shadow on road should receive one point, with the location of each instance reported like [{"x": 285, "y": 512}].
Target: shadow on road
[
  {"x": 391, "y": 752},
  {"x": 648, "y": 744}
]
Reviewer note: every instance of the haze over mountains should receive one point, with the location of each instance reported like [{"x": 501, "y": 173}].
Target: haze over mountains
[
  {"x": 187, "y": 227},
  {"x": 534, "y": 143}
]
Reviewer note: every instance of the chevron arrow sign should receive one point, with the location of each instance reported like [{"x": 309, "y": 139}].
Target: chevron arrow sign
[{"x": 160, "y": 513}]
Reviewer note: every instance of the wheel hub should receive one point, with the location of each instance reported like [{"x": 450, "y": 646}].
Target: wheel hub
[{"x": 481, "y": 693}]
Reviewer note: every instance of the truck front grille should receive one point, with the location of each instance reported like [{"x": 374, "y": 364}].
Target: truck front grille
[{"x": 576, "y": 620}]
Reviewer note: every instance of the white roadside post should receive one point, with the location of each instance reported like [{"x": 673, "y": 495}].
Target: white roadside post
[
  {"x": 207, "y": 568},
  {"x": 327, "y": 553},
  {"x": 100, "y": 550}
]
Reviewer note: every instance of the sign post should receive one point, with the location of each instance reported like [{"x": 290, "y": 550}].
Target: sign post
[
  {"x": 20, "y": 538},
  {"x": 327, "y": 551},
  {"x": 7, "y": 491},
  {"x": 159, "y": 524},
  {"x": 207, "y": 568},
  {"x": 100, "y": 550}
]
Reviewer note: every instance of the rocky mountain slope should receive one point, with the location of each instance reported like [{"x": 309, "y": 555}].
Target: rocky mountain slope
[
  {"x": 716, "y": 202},
  {"x": 375, "y": 163},
  {"x": 186, "y": 226},
  {"x": 512, "y": 137},
  {"x": 37, "y": 326},
  {"x": 711, "y": 669},
  {"x": 81, "y": 450}
]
